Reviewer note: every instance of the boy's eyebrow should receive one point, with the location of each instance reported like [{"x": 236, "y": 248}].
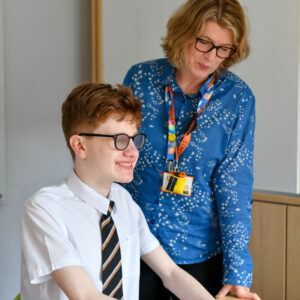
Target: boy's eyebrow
[{"x": 121, "y": 132}]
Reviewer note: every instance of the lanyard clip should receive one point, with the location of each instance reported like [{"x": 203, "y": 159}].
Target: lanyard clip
[
  {"x": 170, "y": 165},
  {"x": 176, "y": 165}
]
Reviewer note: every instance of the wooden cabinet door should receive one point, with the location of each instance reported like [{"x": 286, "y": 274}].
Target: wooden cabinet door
[
  {"x": 268, "y": 250},
  {"x": 293, "y": 253}
]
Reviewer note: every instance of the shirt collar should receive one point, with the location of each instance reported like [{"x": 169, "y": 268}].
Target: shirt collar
[
  {"x": 204, "y": 87},
  {"x": 168, "y": 78},
  {"x": 87, "y": 194}
]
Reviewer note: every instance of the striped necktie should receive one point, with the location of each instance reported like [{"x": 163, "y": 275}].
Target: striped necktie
[{"x": 111, "y": 257}]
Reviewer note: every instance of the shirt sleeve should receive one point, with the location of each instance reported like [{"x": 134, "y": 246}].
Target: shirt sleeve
[
  {"x": 232, "y": 185},
  {"x": 148, "y": 241},
  {"x": 45, "y": 245}
]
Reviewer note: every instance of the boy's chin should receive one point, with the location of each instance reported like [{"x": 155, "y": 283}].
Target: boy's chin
[{"x": 126, "y": 180}]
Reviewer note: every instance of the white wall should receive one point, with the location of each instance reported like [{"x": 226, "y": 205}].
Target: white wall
[
  {"x": 47, "y": 53},
  {"x": 131, "y": 33},
  {"x": 2, "y": 123},
  {"x": 135, "y": 28},
  {"x": 272, "y": 72}
]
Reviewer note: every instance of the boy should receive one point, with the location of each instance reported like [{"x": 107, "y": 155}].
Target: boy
[{"x": 65, "y": 253}]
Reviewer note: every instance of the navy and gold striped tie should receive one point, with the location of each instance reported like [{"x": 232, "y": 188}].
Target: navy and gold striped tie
[{"x": 111, "y": 257}]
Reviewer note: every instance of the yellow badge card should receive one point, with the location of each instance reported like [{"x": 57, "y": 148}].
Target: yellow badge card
[{"x": 177, "y": 183}]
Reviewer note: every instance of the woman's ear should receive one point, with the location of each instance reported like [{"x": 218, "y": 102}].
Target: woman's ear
[{"x": 78, "y": 146}]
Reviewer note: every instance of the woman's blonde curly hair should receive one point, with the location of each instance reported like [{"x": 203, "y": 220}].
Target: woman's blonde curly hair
[{"x": 189, "y": 20}]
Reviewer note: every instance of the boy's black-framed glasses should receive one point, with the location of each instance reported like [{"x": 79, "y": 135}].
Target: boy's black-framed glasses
[
  {"x": 122, "y": 139},
  {"x": 205, "y": 46}
]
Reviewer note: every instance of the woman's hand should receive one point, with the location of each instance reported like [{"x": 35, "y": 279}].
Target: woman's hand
[{"x": 240, "y": 291}]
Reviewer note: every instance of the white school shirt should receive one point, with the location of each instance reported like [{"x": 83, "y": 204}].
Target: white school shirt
[{"x": 60, "y": 227}]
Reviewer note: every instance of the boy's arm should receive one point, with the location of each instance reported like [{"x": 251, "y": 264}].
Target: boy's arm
[
  {"x": 175, "y": 279},
  {"x": 77, "y": 284}
]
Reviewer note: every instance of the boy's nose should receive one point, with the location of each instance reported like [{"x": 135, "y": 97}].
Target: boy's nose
[{"x": 131, "y": 149}]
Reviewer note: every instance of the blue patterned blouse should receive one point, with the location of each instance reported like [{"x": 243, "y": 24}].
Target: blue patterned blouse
[{"x": 217, "y": 217}]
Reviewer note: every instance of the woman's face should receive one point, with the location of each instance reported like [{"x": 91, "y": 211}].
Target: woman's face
[{"x": 199, "y": 64}]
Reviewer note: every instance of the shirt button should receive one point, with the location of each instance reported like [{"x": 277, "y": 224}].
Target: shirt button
[{"x": 152, "y": 221}]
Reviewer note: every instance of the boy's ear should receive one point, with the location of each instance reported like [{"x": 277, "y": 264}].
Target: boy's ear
[{"x": 78, "y": 146}]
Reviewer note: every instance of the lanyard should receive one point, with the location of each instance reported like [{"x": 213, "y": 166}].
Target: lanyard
[{"x": 173, "y": 151}]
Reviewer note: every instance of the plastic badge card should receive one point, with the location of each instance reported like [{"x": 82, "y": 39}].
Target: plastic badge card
[{"x": 177, "y": 183}]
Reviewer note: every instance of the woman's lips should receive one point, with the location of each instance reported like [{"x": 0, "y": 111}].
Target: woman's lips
[{"x": 203, "y": 67}]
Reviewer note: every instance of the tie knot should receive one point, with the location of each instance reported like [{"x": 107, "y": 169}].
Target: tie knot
[{"x": 110, "y": 207}]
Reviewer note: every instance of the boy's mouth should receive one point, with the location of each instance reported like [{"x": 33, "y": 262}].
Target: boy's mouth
[{"x": 125, "y": 164}]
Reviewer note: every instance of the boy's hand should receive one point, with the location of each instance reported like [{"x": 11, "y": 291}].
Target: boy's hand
[{"x": 240, "y": 291}]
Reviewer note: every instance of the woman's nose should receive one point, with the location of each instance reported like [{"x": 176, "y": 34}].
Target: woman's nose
[{"x": 211, "y": 55}]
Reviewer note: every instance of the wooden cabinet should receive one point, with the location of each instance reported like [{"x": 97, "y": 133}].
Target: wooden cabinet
[
  {"x": 275, "y": 246},
  {"x": 267, "y": 248},
  {"x": 293, "y": 253}
]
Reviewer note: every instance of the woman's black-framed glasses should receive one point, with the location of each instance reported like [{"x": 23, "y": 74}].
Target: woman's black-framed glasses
[
  {"x": 205, "y": 46},
  {"x": 122, "y": 139}
]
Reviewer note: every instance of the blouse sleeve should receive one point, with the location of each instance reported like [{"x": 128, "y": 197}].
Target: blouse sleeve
[
  {"x": 232, "y": 186},
  {"x": 128, "y": 78}
]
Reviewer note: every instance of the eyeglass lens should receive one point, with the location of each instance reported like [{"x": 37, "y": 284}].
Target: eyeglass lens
[{"x": 122, "y": 141}]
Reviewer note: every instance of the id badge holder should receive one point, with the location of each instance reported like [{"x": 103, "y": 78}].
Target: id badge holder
[{"x": 177, "y": 183}]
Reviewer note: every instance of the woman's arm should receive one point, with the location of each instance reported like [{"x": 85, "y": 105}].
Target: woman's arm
[
  {"x": 175, "y": 279},
  {"x": 232, "y": 185}
]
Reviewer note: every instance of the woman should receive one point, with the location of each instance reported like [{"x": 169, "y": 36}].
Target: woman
[{"x": 199, "y": 119}]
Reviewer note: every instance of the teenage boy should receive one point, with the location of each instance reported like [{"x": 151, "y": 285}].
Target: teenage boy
[{"x": 66, "y": 228}]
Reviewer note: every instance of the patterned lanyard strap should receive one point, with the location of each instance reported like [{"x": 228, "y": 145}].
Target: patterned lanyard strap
[{"x": 173, "y": 151}]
